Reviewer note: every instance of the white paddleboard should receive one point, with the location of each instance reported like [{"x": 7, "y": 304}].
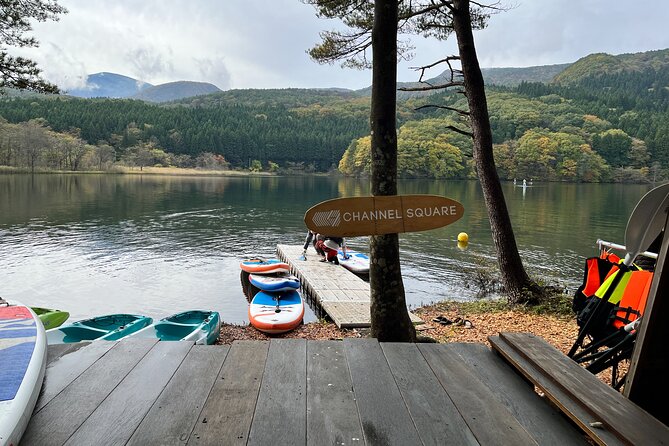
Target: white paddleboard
[
  {"x": 22, "y": 364},
  {"x": 275, "y": 313},
  {"x": 355, "y": 261}
]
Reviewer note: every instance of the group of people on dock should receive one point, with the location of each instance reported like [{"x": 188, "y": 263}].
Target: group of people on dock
[{"x": 326, "y": 246}]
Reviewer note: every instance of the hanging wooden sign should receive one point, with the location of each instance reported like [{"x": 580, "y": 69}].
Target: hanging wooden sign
[{"x": 388, "y": 214}]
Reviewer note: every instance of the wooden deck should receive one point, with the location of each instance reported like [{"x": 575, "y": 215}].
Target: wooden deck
[
  {"x": 289, "y": 392},
  {"x": 342, "y": 295}
]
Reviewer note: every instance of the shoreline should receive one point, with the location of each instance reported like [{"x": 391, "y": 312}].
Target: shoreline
[
  {"x": 485, "y": 320},
  {"x": 559, "y": 330},
  {"x": 157, "y": 171}
]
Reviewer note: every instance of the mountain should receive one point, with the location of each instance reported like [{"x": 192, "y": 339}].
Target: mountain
[
  {"x": 173, "y": 91},
  {"x": 511, "y": 77},
  {"x": 109, "y": 85},
  {"x": 602, "y": 64},
  {"x": 508, "y": 77}
]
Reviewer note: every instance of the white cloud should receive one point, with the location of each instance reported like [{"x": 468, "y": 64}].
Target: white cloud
[{"x": 262, "y": 44}]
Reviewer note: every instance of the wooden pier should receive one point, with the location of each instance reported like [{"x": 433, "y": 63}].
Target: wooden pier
[
  {"x": 342, "y": 295},
  {"x": 289, "y": 392}
]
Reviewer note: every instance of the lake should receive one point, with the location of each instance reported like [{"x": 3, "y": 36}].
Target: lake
[{"x": 96, "y": 244}]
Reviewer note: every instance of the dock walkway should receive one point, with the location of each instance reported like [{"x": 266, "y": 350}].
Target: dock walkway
[
  {"x": 289, "y": 392},
  {"x": 337, "y": 291}
]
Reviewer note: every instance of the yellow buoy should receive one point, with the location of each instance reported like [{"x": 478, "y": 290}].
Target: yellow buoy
[{"x": 463, "y": 237}]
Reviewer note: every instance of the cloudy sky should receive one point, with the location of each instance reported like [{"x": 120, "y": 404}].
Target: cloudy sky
[{"x": 262, "y": 43}]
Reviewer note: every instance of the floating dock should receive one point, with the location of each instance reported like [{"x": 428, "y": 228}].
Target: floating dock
[{"x": 342, "y": 295}]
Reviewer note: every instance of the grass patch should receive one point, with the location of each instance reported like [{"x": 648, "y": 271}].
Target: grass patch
[{"x": 555, "y": 304}]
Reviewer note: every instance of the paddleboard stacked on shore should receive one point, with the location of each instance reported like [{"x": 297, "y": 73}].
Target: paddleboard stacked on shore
[
  {"x": 22, "y": 364},
  {"x": 277, "y": 307}
]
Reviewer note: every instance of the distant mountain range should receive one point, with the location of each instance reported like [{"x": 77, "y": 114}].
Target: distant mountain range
[{"x": 112, "y": 85}]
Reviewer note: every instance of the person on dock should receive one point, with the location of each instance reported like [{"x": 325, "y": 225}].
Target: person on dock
[
  {"x": 315, "y": 238},
  {"x": 331, "y": 246}
]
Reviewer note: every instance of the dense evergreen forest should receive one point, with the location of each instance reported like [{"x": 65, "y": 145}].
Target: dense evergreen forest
[{"x": 604, "y": 118}]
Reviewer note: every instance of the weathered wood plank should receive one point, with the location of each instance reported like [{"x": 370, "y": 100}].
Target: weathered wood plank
[
  {"x": 59, "y": 419},
  {"x": 554, "y": 392},
  {"x": 332, "y": 414},
  {"x": 174, "y": 414},
  {"x": 117, "y": 417},
  {"x": 281, "y": 413},
  {"x": 384, "y": 416},
  {"x": 434, "y": 414},
  {"x": 67, "y": 367},
  {"x": 55, "y": 351},
  {"x": 620, "y": 415},
  {"x": 227, "y": 414},
  {"x": 545, "y": 424},
  {"x": 489, "y": 420}
]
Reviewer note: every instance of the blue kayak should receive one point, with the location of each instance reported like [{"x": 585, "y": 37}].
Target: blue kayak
[
  {"x": 111, "y": 327},
  {"x": 201, "y": 327}
]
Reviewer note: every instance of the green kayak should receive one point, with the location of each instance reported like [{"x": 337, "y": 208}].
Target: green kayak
[
  {"x": 50, "y": 318},
  {"x": 111, "y": 327}
]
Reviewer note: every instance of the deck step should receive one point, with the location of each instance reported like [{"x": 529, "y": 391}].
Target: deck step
[{"x": 603, "y": 413}]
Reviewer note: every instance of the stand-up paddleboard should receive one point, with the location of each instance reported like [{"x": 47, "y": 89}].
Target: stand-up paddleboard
[
  {"x": 355, "y": 261},
  {"x": 281, "y": 282},
  {"x": 264, "y": 266},
  {"x": 275, "y": 313},
  {"x": 22, "y": 365}
]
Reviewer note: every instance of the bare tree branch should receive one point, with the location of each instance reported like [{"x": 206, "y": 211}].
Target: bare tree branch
[
  {"x": 444, "y": 107},
  {"x": 460, "y": 131},
  {"x": 433, "y": 87}
]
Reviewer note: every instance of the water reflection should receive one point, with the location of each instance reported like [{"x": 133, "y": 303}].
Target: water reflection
[{"x": 95, "y": 244}]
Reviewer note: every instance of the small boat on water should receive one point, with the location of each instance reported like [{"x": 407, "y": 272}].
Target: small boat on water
[
  {"x": 275, "y": 313},
  {"x": 202, "y": 327},
  {"x": 22, "y": 364},
  {"x": 279, "y": 282},
  {"x": 264, "y": 266},
  {"x": 110, "y": 327},
  {"x": 51, "y": 318}
]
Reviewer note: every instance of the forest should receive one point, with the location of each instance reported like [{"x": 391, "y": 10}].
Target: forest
[{"x": 589, "y": 124}]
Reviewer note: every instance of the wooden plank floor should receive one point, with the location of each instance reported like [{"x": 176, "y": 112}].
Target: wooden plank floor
[
  {"x": 289, "y": 392},
  {"x": 337, "y": 291}
]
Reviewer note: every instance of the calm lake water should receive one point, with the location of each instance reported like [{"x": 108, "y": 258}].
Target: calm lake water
[{"x": 155, "y": 245}]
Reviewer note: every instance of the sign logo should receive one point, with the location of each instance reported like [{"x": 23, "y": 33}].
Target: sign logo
[
  {"x": 346, "y": 217},
  {"x": 327, "y": 218}
]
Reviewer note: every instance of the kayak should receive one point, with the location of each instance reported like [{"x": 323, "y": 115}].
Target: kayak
[
  {"x": 111, "y": 327},
  {"x": 22, "y": 364},
  {"x": 264, "y": 266},
  {"x": 201, "y": 327},
  {"x": 275, "y": 313},
  {"x": 51, "y": 318},
  {"x": 355, "y": 261},
  {"x": 280, "y": 282}
]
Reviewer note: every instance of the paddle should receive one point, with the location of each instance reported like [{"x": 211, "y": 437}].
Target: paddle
[
  {"x": 646, "y": 222},
  {"x": 643, "y": 227}
]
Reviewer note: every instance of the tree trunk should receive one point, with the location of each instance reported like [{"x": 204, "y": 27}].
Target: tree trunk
[
  {"x": 514, "y": 277},
  {"x": 389, "y": 315}
]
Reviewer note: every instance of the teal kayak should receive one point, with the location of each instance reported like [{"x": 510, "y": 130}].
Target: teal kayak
[
  {"x": 51, "y": 318},
  {"x": 111, "y": 327},
  {"x": 201, "y": 327}
]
